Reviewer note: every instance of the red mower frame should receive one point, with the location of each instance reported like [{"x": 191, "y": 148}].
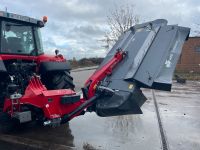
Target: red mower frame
[{"x": 49, "y": 101}]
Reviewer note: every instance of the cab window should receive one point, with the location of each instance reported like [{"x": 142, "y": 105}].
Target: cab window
[{"x": 17, "y": 39}]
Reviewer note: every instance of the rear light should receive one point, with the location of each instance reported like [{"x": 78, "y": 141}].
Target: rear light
[{"x": 45, "y": 19}]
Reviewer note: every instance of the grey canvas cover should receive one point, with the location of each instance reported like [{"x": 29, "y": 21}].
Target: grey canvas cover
[{"x": 152, "y": 52}]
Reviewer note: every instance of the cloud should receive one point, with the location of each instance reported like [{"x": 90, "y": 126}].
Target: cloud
[{"x": 76, "y": 26}]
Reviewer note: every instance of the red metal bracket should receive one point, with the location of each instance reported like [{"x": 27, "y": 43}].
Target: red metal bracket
[{"x": 102, "y": 72}]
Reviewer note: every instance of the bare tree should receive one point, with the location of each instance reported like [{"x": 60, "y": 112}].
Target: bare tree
[{"x": 119, "y": 20}]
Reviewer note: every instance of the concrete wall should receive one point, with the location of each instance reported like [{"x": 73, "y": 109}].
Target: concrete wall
[{"x": 190, "y": 58}]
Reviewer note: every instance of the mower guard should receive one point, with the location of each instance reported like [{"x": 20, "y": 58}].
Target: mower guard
[{"x": 152, "y": 52}]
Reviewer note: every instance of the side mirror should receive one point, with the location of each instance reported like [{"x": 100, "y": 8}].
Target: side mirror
[
  {"x": 56, "y": 52},
  {"x": 40, "y": 24}
]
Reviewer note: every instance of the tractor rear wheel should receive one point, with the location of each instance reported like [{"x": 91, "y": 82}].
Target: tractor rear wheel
[
  {"x": 59, "y": 80},
  {"x": 7, "y": 124}
]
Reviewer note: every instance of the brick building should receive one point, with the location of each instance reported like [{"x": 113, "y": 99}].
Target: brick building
[{"x": 190, "y": 58}]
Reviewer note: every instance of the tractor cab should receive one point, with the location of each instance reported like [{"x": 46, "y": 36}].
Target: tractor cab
[{"x": 20, "y": 35}]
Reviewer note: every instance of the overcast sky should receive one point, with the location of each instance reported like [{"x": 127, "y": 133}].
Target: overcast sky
[{"x": 76, "y": 26}]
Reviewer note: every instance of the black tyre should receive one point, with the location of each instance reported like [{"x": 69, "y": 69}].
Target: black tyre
[
  {"x": 58, "y": 80},
  {"x": 7, "y": 124}
]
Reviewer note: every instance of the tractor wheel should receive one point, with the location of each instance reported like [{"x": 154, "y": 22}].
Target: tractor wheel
[
  {"x": 6, "y": 123},
  {"x": 59, "y": 80}
]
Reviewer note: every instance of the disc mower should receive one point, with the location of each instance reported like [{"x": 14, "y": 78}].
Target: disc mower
[{"x": 35, "y": 87}]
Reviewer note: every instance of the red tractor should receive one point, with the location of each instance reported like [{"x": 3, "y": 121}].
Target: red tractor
[
  {"x": 25, "y": 69},
  {"x": 37, "y": 87}
]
